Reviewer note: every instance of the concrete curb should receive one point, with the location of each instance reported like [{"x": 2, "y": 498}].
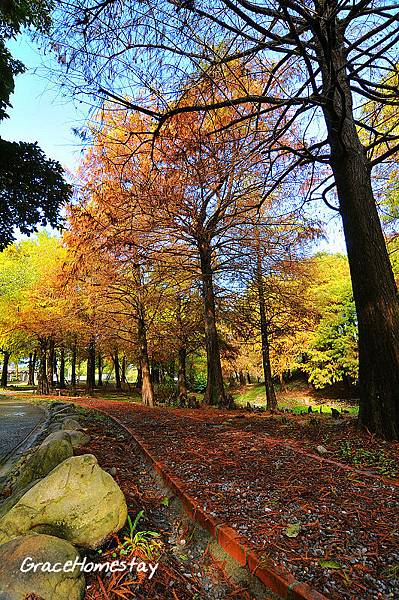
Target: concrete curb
[{"x": 277, "y": 579}]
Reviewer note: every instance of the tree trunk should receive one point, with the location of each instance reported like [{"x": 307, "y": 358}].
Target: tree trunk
[
  {"x": 182, "y": 376},
  {"x": 139, "y": 381},
  {"x": 118, "y": 384},
  {"x": 100, "y": 369},
  {"x": 31, "y": 368},
  {"x": 123, "y": 370},
  {"x": 154, "y": 372},
  {"x": 91, "y": 366},
  {"x": 373, "y": 283},
  {"x": 248, "y": 378},
  {"x": 215, "y": 393},
  {"x": 55, "y": 371},
  {"x": 62, "y": 367},
  {"x": 42, "y": 381},
  {"x": 4, "y": 372},
  {"x": 147, "y": 390},
  {"x": 50, "y": 363},
  {"x": 73, "y": 364},
  {"x": 271, "y": 400}
]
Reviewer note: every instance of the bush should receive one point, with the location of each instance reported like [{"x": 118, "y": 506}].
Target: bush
[
  {"x": 199, "y": 383},
  {"x": 166, "y": 393}
]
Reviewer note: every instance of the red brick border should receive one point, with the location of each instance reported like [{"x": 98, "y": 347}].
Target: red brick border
[{"x": 277, "y": 579}]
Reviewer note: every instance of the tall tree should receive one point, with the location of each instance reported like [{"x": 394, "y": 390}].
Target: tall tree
[{"x": 341, "y": 57}]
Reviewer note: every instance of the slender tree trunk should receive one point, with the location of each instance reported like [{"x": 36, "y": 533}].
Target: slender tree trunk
[
  {"x": 154, "y": 372},
  {"x": 118, "y": 384},
  {"x": 182, "y": 352},
  {"x": 42, "y": 381},
  {"x": 182, "y": 376},
  {"x": 50, "y": 363},
  {"x": 91, "y": 365},
  {"x": 147, "y": 390},
  {"x": 100, "y": 369},
  {"x": 215, "y": 393},
  {"x": 271, "y": 399},
  {"x": 241, "y": 377},
  {"x": 139, "y": 381},
  {"x": 374, "y": 289},
  {"x": 4, "y": 372},
  {"x": 248, "y": 377},
  {"x": 55, "y": 371},
  {"x": 31, "y": 377},
  {"x": 62, "y": 367},
  {"x": 123, "y": 369},
  {"x": 73, "y": 364}
]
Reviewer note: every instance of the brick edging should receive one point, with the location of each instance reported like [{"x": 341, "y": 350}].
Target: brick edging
[{"x": 277, "y": 579}]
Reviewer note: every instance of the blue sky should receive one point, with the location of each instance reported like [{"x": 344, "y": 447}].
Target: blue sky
[{"x": 41, "y": 114}]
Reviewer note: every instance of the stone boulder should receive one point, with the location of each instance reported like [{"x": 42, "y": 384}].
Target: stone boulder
[
  {"x": 44, "y": 460},
  {"x": 70, "y": 423},
  {"x": 76, "y": 438},
  {"x": 77, "y": 501},
  {"x": 16, "y": 584},
  {"x": 56, "y": 435}
]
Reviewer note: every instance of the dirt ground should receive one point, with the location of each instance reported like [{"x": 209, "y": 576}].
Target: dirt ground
[{"x": 307, "y": 492}]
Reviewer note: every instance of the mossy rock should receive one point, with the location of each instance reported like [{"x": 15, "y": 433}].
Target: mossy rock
[
  {"x": 77, "y": 501},
  {"x": 16, "y": 584},
  {"x": 44, "y": 460}
]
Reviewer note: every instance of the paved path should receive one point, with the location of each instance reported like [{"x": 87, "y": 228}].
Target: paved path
[{"x": 17, "y": 421}]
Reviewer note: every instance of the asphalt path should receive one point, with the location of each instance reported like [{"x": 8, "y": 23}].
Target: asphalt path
[{"x": 17, "y": 421}]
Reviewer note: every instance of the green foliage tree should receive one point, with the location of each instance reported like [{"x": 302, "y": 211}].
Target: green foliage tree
[
  {"x": 32, "y": 187},
  {"x": 332, "y": 349}
]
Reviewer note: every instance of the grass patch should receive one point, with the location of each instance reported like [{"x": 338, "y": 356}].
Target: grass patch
[{"x": 295, "y": 396}]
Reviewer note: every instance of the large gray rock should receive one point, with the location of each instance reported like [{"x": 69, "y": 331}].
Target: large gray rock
[
  {"x": 16, "y": 584},
  {"x": 56, "y": 435},
  {"x": 77, "y": 501},
  {"x": 44, "y": 460},
  {"x": 69, "y": 423},
  {"x": 76, "y": 438}
]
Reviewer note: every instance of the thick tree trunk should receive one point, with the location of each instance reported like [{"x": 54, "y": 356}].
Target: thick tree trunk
[
  {"x": 91, "y": 365},
  {"x": 215, "y": 393},
  {"x": 62, "y": 367},
  {"x": 4, "y": 372},
  {"x": 100, "y": 369},
  {"x": 374, "y": 288},
  {"x": 50, "y": 363},
  {"x": 271, "y": 399},
  {"x": 182, "y": 376},
  {"x": 73, "y": 364},
  {"x": 42, "y": 381}
]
